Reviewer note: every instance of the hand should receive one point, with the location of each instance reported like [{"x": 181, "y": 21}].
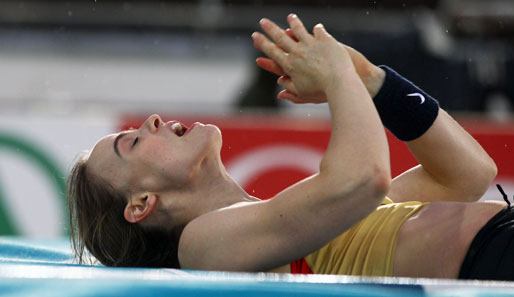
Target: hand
[
  {"x": 308, "y": 64},
  {"x": 289, "y": 92},
  {"x": 372, "y": 76}
]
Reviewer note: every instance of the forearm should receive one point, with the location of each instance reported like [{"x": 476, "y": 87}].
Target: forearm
[
  {"x": 317, "y": 64},
  {"x": 448, "y": 155},
  {"x": 358, "y": 145}
]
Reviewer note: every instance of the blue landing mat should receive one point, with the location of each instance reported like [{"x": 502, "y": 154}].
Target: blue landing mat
[{"x": 45, "y": 268}]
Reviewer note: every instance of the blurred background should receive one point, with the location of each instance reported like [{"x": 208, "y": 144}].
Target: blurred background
[{"x": 73, "y": 71}]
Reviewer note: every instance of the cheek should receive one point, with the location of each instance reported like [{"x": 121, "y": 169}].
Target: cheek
[
  {"x": 174, "y": 173},
  {"x": 115, "y": 177},
  {"x": 169, "y": 166}
]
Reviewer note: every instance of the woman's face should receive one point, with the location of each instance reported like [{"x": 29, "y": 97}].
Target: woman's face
[{"x": 156, "y": 157}]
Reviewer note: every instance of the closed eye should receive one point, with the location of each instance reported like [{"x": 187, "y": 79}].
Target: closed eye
[{"x": 135, "y": 141}]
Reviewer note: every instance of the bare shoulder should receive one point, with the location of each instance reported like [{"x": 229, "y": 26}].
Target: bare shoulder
[
  {"x": 263, "y": 235},
  {"x": 189, "y": 245},
  {"x": 208, "y": 242}
]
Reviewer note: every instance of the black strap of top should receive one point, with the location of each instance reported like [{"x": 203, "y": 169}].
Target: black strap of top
[{"x": 503, "y": 194}]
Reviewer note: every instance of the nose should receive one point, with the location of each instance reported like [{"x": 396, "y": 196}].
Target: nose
[{"x": 152, "y": 123}]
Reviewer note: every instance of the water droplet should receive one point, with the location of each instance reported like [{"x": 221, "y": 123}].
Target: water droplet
[
  {"x": 446, "y": 30},
  {"x": 367, "y": 12},
  {"x": 308, "y": 114},
  {"x": 70, "y": 13}
]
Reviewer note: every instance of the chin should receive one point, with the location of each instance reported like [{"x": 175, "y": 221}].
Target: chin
[
  {"x": 209, "y": 140},
  {"x": 215, "y": 133},
  {"x": 214, "y": 128}
]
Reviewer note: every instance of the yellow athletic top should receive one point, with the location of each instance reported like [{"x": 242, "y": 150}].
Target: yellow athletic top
[{"x": 368, "y": 247}]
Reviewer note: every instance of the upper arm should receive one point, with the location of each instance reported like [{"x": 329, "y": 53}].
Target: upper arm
[
  {"x": 259, "y": 236},
  {"x": 416, "y": 184}
]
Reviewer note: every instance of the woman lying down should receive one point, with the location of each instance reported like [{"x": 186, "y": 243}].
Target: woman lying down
[{"x": 159, "y": 196}]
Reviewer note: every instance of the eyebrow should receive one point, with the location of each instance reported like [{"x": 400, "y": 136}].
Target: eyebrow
[{"x": 116, "y": 142}]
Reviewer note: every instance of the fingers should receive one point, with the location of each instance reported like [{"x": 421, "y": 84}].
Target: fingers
[
  {"x": 277, "y": 34},
  {"x": 269, "y": 48},
  {"x": 290, "y": 33},
  {"x": 319, "y": 31},
  {"x": 287, "y": 95},
  {"x": 298, "y": 28},
  {"x": 287, "y": 83},
  {"x": 284, "y": 42},
  {"x": 270, "y": 65}
]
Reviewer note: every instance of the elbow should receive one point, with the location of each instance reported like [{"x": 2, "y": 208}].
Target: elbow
[
  {"x": 493, "y": 170},
  {"x": 372, "y": 187},
  {"x": 489, "y": 173},
  {"x": 480, "y": 181},
  {"x": 380, "y": 182},
  {"x": 371, "y": 181}
]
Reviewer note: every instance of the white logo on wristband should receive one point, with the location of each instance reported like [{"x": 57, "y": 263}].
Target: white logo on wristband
[{"x": 419, "y": 95}]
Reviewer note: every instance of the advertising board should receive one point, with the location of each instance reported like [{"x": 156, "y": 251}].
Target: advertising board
[{"x": 265, "y": 154}]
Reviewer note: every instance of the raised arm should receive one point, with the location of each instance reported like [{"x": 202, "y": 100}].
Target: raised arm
[
  {"x": 353, "y": 177},
  {"x": 453, "y": 166}
]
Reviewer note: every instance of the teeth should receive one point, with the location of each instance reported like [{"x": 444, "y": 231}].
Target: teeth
[{"x": 177, "y": 127}]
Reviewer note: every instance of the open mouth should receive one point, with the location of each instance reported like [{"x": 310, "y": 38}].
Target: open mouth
[{"x": 179, "y": 129}]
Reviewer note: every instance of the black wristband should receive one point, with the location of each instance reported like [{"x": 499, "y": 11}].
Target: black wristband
[{"x": 405, "y": 109}]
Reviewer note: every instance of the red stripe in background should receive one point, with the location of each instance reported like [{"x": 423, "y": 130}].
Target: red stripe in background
[{"x": 242, "y": 134}]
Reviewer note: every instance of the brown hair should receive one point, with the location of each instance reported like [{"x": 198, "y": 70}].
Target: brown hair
[{"x": 98, "y": 226}]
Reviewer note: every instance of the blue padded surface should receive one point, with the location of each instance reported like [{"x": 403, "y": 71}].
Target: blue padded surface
[
  {"x": 45, "y": 268},
  {"x": 19, "y": 250}
]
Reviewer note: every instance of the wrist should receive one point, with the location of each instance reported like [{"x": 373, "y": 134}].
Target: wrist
[
  {"x": 405, "y": 109},
  {"x": 374, "y": 80},
  {"x": 338, "y": 80},
  {"x": 372, "y": 76}
]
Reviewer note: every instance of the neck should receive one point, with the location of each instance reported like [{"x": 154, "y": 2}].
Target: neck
[
  {"x": 220, "y": 191},
  {"x": 210, "y": 189}
]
